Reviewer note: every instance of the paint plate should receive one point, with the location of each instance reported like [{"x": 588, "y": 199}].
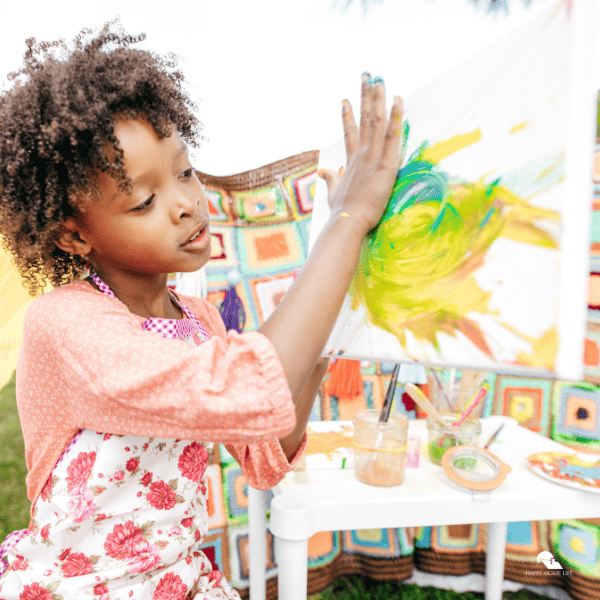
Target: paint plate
[{"x": 574, "y": 470}]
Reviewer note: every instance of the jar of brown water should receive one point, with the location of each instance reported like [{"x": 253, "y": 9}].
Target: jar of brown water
[{"x": 380, "y": 448}]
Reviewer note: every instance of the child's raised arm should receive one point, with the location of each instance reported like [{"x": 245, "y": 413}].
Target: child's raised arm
[{"x": 302, "y": 322}]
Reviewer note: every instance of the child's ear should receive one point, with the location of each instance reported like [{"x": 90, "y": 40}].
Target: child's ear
[{"x": 71, "y": 239}]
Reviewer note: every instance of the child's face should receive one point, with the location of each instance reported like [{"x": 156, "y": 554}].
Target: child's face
[{"x": 149, "y": 230}]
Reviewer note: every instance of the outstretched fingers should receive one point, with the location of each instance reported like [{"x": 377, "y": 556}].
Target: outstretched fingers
[
  {"x": 350, "y": 129},
  {"x": 366, "y": 107},
  {"x": 372, "y": 157},
  {"x": 393, "y": 134},
  {"x": 378, "y": 120}
]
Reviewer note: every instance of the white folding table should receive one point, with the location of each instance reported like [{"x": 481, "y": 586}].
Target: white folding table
[{"x": 329, "y": 500}]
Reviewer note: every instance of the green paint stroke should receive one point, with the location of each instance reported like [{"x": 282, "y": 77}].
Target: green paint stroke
[{"x": 416, "y": 267}]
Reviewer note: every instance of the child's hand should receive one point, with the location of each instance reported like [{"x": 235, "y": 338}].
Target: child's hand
[
  {"x": 372, "y": 158},
  {"x": 301, "y": 323}
]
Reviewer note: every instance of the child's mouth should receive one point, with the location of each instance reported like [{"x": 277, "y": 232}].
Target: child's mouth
[{"x": 198, "y": 240}]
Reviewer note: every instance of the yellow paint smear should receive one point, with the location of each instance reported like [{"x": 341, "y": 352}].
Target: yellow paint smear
[
  {"x": 416, "y": 270},
  {"x": 571, "y": 459},
  {"x": 328, "y": 442},
  {"x": 556, "y": 163},
  {"x": 545, "y": 349},
  {"x": 441, "y": 150},
  {"x": 519, "y": 127},
  {"x": 549, "y": 457}
]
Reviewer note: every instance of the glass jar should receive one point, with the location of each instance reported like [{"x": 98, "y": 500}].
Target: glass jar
[
  {"x": 441, "y": 438},
  {"x": 454, "y": 398},
  {"x": 380, "y": 448}
]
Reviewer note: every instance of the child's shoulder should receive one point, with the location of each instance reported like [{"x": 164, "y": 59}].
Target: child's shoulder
[
  {"x": 79, "y": 302},
  {"x": 78, "y": 292},
  {"x": 73, "y": 309},
  {"x": 67, "y": 301}
]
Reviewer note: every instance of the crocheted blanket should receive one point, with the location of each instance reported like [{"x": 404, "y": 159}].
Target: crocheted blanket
[{"x": 260, "y": 224}]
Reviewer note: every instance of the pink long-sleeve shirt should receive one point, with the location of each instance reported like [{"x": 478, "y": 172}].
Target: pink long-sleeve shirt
[{"x": 86, "y": 363}]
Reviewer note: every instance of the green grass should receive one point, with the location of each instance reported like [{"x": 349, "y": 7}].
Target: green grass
[
  {"x": 363, "y": 588},
  {"x": 14, "y": 505}
]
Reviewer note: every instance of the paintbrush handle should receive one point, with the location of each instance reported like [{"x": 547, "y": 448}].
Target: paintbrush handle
[
  {"x": 384, "y": 415},
  {"x": 473, "y": 402},
  {"x": 466, "y": 381},
  {"x": 421, "y": 399},
  {"x": 441, "y": 387},
  {"x": 493, "y": 437},
  {"x": 478, "y": 379}
]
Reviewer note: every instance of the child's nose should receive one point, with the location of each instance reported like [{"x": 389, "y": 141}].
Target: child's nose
[{"x": 184, "y": 205}]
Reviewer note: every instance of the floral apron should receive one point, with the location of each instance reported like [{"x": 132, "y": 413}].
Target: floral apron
[{"x": 120, "y": 517}]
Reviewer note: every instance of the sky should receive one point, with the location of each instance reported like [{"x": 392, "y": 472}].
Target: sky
[{"x": 269, "y": 75}]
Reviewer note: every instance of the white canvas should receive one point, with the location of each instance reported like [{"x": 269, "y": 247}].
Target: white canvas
[{"x": 514, "y": 121}]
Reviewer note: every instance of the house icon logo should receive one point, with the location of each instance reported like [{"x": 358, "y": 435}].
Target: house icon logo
[{"x": 548, "y": 559}]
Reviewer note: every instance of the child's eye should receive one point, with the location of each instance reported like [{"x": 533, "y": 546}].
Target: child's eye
[
  {"x": 145, "y": 205},
  {"x": 188, "y": 173}
]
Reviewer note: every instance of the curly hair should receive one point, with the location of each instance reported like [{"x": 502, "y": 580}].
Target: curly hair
[{"x": 55, "y": 123}]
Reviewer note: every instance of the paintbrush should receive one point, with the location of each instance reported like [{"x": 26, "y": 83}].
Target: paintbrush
[
  {"x": 444, "y": 395},
  {"x": 421, "y": 399},
  {"x": 466, "y": 381},
  {"x": 472, "y": 403},
  {"x": 470, "y": 380},
  {"x": 493, "y": 437},
  {"x": 451, "y": 386},
  {"x": 387, "y": 403},
  {"x": 384, "y": 416},
  {"x": 478, "y": 379}
]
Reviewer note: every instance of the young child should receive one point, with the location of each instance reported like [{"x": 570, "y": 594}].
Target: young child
[{"x": 123, "y": 385}]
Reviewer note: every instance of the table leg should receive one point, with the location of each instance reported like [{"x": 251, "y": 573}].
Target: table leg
[
  {"x": 494, "y": 562},
  {"x": 257, "y": 542},
  {"x": 292, "y": 565}
]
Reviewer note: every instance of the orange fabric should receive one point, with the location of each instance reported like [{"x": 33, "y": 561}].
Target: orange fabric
[
  {"x": 85, "y": 363},
  {"x": 592, "y": 354},
  {"x": 345, "y": 379},
  {"x": 273, "y": 246}
]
